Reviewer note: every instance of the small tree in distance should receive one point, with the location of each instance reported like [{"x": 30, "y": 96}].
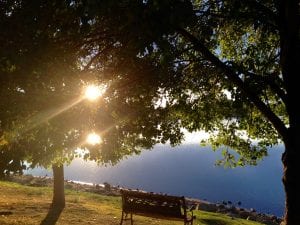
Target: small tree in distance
[{"x": 44, "y": 114}]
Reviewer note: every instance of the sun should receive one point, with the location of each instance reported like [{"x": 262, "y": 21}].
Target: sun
[
  {"x": 93, "y": 92},
  {"x": 93, "y": 139}
]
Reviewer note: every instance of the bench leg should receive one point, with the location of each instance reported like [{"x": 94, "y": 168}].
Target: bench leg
[
  {"x": 188, "y": 222},
  {"x": 124, "y": 217}
]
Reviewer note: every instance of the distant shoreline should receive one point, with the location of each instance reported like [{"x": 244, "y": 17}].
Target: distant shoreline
[{"x": 158, "y": 170}]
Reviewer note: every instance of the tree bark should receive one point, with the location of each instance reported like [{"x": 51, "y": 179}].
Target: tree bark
[
  {"x": 290, "y": 61},
  {"x": 58, "y": 200},
  {"x": 290, "y": 160}
]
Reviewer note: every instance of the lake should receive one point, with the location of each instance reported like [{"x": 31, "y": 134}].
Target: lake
[{"x": 189, "y": 170}]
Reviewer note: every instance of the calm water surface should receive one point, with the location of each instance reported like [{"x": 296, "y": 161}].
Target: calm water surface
[{"x": 189, "y": 170}]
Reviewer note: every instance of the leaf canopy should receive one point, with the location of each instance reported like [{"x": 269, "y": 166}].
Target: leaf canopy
[{"x": 165, "y": 65}]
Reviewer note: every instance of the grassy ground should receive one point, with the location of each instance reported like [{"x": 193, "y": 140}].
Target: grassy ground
[{"x": 24, "y": 205}]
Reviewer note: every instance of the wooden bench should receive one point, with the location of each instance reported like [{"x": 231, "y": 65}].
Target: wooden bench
[{"x": 154, "y": 205}]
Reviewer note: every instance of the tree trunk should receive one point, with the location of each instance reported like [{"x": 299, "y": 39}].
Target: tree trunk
[
  {"x": 290, "y": 159},
  {"x": 58, "y": 200},
  {"x": 289, "y": 24}
]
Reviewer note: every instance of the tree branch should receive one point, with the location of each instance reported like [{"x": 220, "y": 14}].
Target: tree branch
[
  {"x": 233, "y": 77},
  {"x": 265, "y": 79}
]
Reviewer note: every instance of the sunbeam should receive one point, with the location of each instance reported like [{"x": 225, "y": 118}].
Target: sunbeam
[
  {"x": 48, "y": 115},
  {"x": 42, "y": 117}
]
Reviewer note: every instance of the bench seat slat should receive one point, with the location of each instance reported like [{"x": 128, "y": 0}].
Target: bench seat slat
[{"x": 160, "y": 216}]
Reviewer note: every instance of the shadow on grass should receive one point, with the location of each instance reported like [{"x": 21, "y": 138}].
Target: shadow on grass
[
  {"x": 213, "y": 222},
  {"x": 52, "y": 216}
]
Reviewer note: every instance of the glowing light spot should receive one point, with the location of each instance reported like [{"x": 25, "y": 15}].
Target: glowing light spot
[
  {"x": 93, "y": 139},
  {"x": 93, "y": 92}
]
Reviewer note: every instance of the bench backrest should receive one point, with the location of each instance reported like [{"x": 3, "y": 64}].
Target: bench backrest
[{"x": 153, "y": 204}]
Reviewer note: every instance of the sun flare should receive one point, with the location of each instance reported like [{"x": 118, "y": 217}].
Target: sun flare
[
  {"x": 93, "y": 92},
  {"x": 93, "y": 139}
]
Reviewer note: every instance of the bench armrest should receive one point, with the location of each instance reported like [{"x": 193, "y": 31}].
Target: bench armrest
[{"x": 190, "y": 212}]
